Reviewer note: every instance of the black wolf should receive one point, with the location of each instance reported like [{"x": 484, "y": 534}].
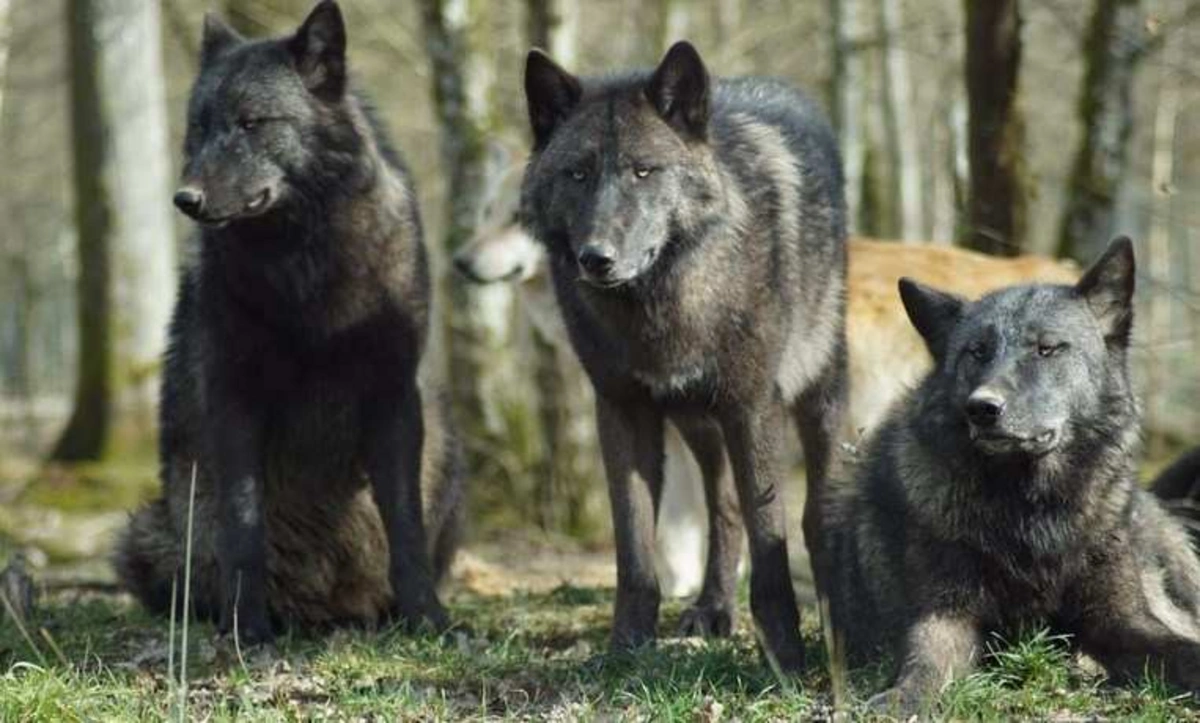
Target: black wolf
[
  {"x": 696, "y": 236},
  {"x": 1001, "y": 492},
  {"x": 291, "y": 375},
  {"x": 1178, "y": 486}
]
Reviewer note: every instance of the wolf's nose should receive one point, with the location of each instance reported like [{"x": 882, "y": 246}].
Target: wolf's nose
[
  {"x": 464, "y": 267},
  {"x": 984, "y": 408},
  {"x": 190, "y": 200},
  {"x": 597, "y": 260}
]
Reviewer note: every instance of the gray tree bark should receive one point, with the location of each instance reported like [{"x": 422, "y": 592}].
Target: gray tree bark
[
  {"x": 1112, "y": 50},
  {"x": 123, "y": 222},
  {"x": 846, "y": 83},
  {"x": 997, "y": 209},
  {"x": 898, "y": 122}
]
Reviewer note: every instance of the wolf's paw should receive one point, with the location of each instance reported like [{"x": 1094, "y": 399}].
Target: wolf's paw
[
  {"x": 252, "y": 630},
  {"x": 706, "y": 621},
  {"x": 415, "y": 618}
]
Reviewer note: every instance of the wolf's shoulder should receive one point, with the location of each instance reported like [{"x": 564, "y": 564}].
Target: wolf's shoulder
[{"x": 766, "y": 99}]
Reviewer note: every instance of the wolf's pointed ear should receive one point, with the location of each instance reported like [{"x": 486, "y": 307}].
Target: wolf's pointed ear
[
  {"x": 679, "y": 90},
  {"x": 551, "y": 94},
  {"x": 1107, "y": 287},
  {"x": 216, "y": 38},
  {"x": 934, "y": 313},
  {"x": 319, "y": 51}
]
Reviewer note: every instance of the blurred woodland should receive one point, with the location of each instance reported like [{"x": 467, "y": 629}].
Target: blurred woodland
[{"x": 1041, "y": 126}]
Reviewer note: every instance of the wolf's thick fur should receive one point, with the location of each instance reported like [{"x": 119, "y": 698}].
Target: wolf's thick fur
[
  {"x": 1001, "y": 492},
  {"x": 291, "y": 375},
  {"x": 696, "y": 238}
]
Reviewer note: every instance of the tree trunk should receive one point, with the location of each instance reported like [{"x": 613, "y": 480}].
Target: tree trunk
[
  {"x": 1157, "y": 264},
  {"x": 846, "y": 82},
  {"x": 1112, "y": 49},
  {"x": 123, "y": 222},
  {"x": 5, "y": 39},
  {"x": 673, "y": 18},
  {"x": 553, "y": 25},
  {"x": 899, "y": 127},
  {"x": 999, "y": 197}
]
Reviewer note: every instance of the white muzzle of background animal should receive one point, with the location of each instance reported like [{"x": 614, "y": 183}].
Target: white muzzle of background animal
[{"x": 507, "y": 253}]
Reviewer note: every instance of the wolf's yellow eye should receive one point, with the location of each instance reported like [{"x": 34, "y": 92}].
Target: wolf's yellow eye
[
  {"x": 248, "y": 124},
  {"x": 1049, "y": 350},
  {"x": 642, "y": 171},
  {"x": 579, "y": 174}
]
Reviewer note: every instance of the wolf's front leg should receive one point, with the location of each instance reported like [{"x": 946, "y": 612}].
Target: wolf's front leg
[
  {"x": 939, "y": 647},
  {"x": 713, "y": 612},
  {"x": 1133, "y": 624},
  {"x": 753, "y": 439},
  {"x": 631, "y": 441},
  {"x": 235, "y": 450},
  {"x": 394, "y": 433}
]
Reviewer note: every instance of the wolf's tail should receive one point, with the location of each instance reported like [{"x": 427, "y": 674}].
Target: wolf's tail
[
  {"x": 1178, "y": 486},
  {"x": 148, "y": 559}
]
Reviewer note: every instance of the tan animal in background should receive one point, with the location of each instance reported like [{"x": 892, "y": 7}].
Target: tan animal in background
[{"x": 886, "y": 354}]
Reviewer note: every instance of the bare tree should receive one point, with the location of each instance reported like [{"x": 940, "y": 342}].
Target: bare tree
[
  {"x": 1158, "y": 247},
  {"x": 5, "y": 29},
  {"x": 847, "y": 80},
  {"x": 898, "y": 123},
  {"x": 1113, "y": 47},
  {"x": 553, "y": 25},
  {"x": 123, "y": 222},
  {"x": 999, "y": 197}
]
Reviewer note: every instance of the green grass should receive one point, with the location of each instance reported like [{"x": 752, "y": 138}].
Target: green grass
[{"x": 523, "y": 657}]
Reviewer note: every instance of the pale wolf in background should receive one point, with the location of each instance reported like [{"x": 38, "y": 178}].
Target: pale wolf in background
[
  {"x": 696, "y": 237},
  {"x": 1002, "y": 493},
  {"x": 290, "y": 388}
]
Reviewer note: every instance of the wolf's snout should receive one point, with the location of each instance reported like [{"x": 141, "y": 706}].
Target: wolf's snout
[
  {"x": 984, "y": 408},
  {"x": 190, "y": 200},
  {"x": 464, "y": 263},
  {"x": 597, "y": 259}
]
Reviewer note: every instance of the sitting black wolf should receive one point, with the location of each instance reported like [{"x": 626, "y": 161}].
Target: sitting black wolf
[
  {"x": 696, "y": 236},
  {"x": 291, "y": 373},
  {"x": 1002, "y": 492}
]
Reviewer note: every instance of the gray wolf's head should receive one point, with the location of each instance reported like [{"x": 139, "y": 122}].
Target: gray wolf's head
[
  {"x": 620, "y": 167},
  {"x": 266, "y": 120},
  {"x": 1026, "y": 368}
]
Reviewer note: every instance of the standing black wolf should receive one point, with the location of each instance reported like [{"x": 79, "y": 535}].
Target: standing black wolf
[
  {"x": 696, "y": 237},
  {"x": 291, "y": 375},
  {"x": 1002, "y": 492}
]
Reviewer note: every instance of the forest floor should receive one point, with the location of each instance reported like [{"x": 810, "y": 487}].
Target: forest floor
[{"x": 534, "y": 616}]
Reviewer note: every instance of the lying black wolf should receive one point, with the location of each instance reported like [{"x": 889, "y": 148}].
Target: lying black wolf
[
  {"x": 696, "y": 236},
  {"x": 1002, "y": 492},
  {"x": 291, "y": 374},
  {"x": 1179, "y": 487}
]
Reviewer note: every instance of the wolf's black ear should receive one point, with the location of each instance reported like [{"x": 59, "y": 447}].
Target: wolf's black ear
[
  {"x": 679, "y": 90},
  {"x": 1107, "y": 287},
  {"x": 319, "y": 51},
  {"x": 551, "y": 94},
  {"x": 934, "y": 313},
  {"x": 216, "y": 39}
]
